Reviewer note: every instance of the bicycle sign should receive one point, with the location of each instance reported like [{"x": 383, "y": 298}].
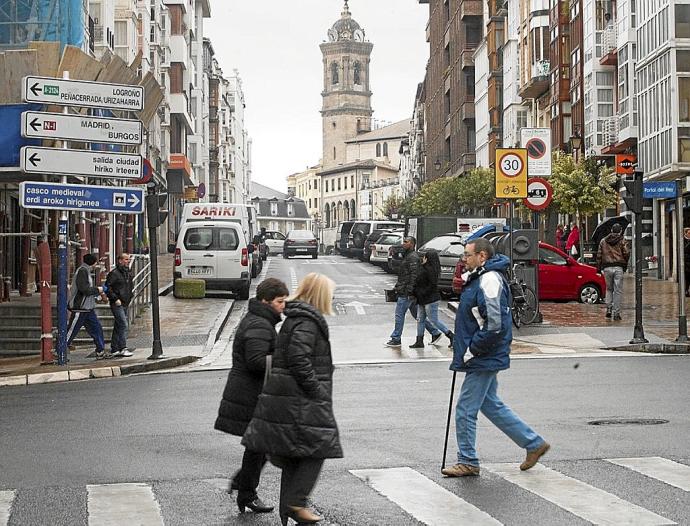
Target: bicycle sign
[{"x": 511, "y": 173}]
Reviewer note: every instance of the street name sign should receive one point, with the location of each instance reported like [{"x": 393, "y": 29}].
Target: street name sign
[
  {"x": 659, "y": 190},
  {"x": 511, "y": 173},
  {"x": 44, "y": 125},
  {"x": 83, "y": 198},
  {"x": 87, "y": 94},
  {"x": 57, "y": 161}
]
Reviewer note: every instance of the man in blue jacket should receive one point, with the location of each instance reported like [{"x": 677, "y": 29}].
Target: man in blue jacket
[{"x": 481, "y": 348}]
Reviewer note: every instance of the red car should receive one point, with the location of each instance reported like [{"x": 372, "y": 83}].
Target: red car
[{"x": 560, "y": 277}]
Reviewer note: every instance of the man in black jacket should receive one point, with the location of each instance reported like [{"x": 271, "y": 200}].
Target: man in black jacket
[
  {"x": 255, "y": 339},
  {"x": 404, "y": 288},
  {"x": 119, "y": 291},
  {"x": 82, "y": 304}
]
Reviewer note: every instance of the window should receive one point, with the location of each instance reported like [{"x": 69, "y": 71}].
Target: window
[
  {"x": 274, "y": 209},
  {"x": 352, "y": 181},
  {"x": 378, "y": 149},
  {"x": 334, "y": 156},
  {"x": 385, "y": 149},
  {"x": 338, "y": 183},
  {"x": 316, "y": 184},
  {"x": 682, "y": 21},
  {"x": 684, "y": 99},
  {"x": 357, "y": 73},
  {"x": 549, "y": 257},
  {"x": 683, "y": 60},
  {"x": 290, "y": 209},
  {"x": 334, "y": 73},
  {"x": 198, "y": 239}
]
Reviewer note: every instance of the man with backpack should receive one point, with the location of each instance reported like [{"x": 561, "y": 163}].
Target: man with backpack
[{"x": 82, "y": 304}]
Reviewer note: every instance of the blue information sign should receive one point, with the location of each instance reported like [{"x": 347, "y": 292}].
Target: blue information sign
[
  {"x": 659, "y": 190},
  {"x": 81, "y": 197}
]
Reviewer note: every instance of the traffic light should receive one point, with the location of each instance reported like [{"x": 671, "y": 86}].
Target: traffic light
[
  {"x": 633, "y": 190},
  {"x": 156, "y": 213}
]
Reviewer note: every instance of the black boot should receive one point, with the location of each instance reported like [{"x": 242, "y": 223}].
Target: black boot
[
  {"x": 450, "y": 336},
  {"x": 418, "y": 344}
]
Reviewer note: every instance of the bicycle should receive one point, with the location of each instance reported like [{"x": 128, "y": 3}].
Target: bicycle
[{"x": 524, "y": 306}]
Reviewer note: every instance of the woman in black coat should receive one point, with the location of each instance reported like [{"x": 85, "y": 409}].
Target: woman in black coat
[
  {"x": 294, "y": 421},
  {"x": 428, "y": 298},
  {"x": 255, "y": 339}
]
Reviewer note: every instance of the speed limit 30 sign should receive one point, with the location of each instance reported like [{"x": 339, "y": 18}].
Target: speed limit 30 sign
[{"x": 511, "y": 173}]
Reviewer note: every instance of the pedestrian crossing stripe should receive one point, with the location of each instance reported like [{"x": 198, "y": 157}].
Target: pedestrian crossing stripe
[
  {"x": 662, "y": 469},
  {"x": 117, "y": 504},
  {"x": 6, "y": 499},
  {"x": 422, "y": 498},
  {"x": 579, "y": 498}
]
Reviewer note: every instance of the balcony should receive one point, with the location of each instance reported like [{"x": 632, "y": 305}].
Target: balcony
[
  {"x": 467, "y": 109},
  {"x": 178, "y": 50},
  {"x": 470, "y": 8},
  {"x": 610, "y": 131},
  {"x": 179, "y": 105},
  {"x": 609, "y": 46},
  {"x": 539, "y": 83},
  {"x": 466, "y": 58}
]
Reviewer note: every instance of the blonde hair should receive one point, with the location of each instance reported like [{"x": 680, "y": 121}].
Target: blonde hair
[{"x": 317, "y": 290}]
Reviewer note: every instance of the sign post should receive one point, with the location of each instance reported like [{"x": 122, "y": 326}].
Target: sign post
[
  {"x": 43, "y": 125},
  {"x": 52, "y": 161},
  {"x": 682, "y": 320},
  {"x": 81, "y": 197},
  {"x": 87, "y": 94}
]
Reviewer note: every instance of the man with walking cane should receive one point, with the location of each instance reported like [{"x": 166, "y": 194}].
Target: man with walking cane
[{"x": 481, "y": 349}]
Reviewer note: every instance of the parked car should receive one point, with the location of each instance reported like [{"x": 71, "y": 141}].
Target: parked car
[
  {"x": 341, "y": 238},
  {"x": 361, "y": 229},
  {"x": 379, "y": 250},
  {"x": 274, "y": 241},
  {"x": 300, "y": 243},
  {"x": 561, "y": 277},
  {"x": 450, "y": 248},
  {"x": 372, "y": 238}
]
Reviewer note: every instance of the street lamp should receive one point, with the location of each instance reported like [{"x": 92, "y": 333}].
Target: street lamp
[
  {"x": 575, "y": 142},
  {"x": 437, "y": 164}
]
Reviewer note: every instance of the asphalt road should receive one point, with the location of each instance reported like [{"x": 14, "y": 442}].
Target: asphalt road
[{"x": 64, "y": 444}]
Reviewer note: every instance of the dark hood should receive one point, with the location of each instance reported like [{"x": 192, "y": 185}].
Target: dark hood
[
  {"x": 265, "y": 311},
  {"x": 298, "y": 308},
  {"x": 613, "y": 238}
]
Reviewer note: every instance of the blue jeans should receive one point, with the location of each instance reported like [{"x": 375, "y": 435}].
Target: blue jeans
[
  {"x": 401, "y": 307},
  {"x": 614, "y": 288},
  {"x": 478, "y": 393},
  {"x": 118, "y": 340},
  {"x": 429, "y": 314},
  {"x": 90, "y": 320}
]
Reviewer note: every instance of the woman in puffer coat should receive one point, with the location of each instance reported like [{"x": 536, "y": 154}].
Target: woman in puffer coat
[
  {"x": 255, "y": 339},
  {"x": 294, "y": 421}
]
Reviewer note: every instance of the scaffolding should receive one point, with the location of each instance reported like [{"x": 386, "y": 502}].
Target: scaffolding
[{"x": 23, "y": 21}]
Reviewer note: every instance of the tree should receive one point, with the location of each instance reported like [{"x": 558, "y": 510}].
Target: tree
[
  {"x": 437, "y": 197},
  {"x": 581, "y": 188},
  {"x": 396, "y": 205},
  {"x": 477, "y": 190}
]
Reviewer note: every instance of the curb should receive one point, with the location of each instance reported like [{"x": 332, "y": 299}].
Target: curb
[
  {"x": 218, "y": 327},
  {"x": 155, "y": 365},
  {"x": 61, "y": 376}
]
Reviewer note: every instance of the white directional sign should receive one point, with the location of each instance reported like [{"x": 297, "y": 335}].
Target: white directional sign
[
  {"x": 47, "y": 90},
  {"x": 43, "y": 125},
  {"x": 56, "y": 161},
  {"x": 81, "y": 197}
]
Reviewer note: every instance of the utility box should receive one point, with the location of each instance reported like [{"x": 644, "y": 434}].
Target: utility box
[{"x": 189, "y": 288}]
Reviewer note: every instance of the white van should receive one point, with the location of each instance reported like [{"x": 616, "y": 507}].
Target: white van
[{"x": 214, "y": 244}]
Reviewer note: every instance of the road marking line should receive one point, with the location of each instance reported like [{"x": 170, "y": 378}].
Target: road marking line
[
  {"x": 579, "y": 498},
  {"x": 117, "y": 504},
  {"x": 422, "y": 498},
  {"x": 293, "y": 279},
  {"x": 6, "y": 499},
  {"x": 667, "y": 471}
]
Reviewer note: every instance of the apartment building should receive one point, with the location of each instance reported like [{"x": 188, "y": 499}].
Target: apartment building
[{"x": 454, "y": 31}]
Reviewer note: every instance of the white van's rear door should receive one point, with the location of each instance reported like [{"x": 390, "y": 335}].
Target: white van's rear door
[
  {"x": 199, "y": 256},
  {"x": 229, "y": 252}
]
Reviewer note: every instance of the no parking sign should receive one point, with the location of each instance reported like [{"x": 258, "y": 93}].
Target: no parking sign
[{"x": 537, "y": 141}]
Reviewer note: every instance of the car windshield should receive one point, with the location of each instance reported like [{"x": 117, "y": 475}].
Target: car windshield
[
  {"x": 301, "y": 234},
  {"x": 440, "y": 243}
]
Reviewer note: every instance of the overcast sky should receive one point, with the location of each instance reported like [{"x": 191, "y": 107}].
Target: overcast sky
[{"x": 275, "y": 46}]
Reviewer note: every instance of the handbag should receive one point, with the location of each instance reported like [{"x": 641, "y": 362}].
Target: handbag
[{"x": 573, "y": 251}]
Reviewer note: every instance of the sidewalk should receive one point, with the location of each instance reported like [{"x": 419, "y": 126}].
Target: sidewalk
[
  {"x": 576, "y": 327},
  {"x": 188, "y": 330}
]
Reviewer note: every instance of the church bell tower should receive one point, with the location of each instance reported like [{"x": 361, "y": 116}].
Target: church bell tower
[{"x": 346, "y": 110}]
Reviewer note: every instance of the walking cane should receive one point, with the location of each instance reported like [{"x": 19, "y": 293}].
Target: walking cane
[{"x": 450, "y": 407}]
